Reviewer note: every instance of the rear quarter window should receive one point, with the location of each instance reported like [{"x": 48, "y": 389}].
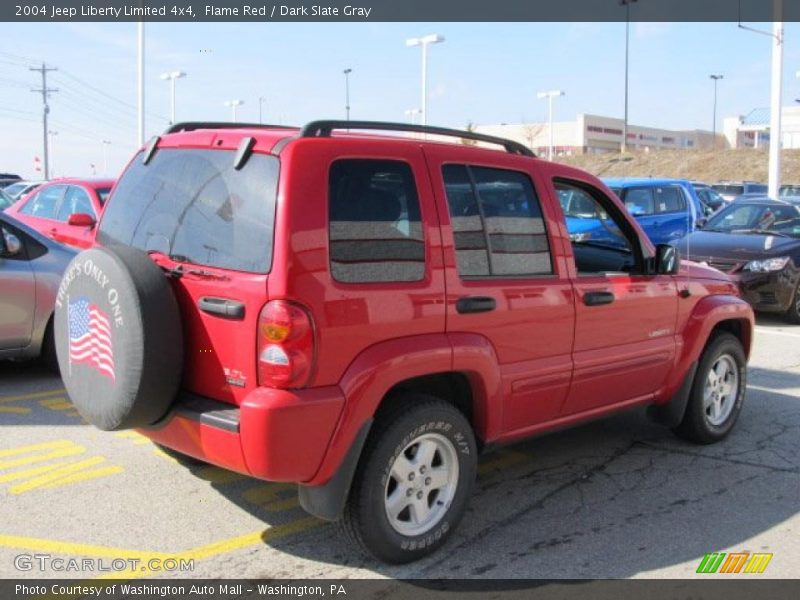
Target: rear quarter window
[{"x": 194, "y": 206}]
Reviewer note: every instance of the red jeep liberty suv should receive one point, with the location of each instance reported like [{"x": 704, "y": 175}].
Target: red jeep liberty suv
[{"x": 363, "y": 313}]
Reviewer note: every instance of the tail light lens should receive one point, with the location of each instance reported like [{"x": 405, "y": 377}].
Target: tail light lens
[{"x": 285, "y": 345}]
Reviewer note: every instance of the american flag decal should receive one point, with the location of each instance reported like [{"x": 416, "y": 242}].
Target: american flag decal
[{"x": 90, "y": 336}]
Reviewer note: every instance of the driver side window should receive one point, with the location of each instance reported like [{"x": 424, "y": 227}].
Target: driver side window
[{"x": 601, "y": 241}]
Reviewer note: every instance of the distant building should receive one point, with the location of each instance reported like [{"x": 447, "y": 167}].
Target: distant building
[
  {"x": 752, "y": 129},
  {"x": 593, "y": 134}
]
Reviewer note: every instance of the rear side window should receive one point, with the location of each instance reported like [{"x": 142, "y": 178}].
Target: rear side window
[
  {"x": 375, "y": 228},
  {"x": 45, "y": 203},
  {"x": 76, "y": 201},
  {"x": 669, "y": 199},
  {"x": 195, "y": 207},
  {"x": 639, "y": 201},
  {"x": 497, "y": 222}
]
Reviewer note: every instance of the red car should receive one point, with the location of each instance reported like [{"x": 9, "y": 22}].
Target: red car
[
  {"x": 65, "y": 210},
  {"x": 362, "y": 314}
]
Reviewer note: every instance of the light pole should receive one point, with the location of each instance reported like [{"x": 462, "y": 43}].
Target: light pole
[
  {"x": 140, "y": 82},
  {"x": 627, "y": 5},
  {"x": 171, "y": 76},
  {"x": 52, "y": 135},
  {"x": 261, "y": 101},
  {"x": 716, "y": 79},
  {"x": 550, "y": 95},
  {"x": 233, "y": 104},
  {"x": 347, "y": 91},
  {"x": 106, "y": 144},
  {"x": 412, "y": 113},
  {"x": 425, "y": 41}
]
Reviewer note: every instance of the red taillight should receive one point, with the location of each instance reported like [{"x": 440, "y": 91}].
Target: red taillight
[{"x": 285, "y": 345}]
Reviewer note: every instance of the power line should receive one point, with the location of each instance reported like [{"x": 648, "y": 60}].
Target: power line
[{"x": 45, "y": 91}]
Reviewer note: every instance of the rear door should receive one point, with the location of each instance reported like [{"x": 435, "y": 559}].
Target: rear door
[
  {"x": 18, "y": 296},
  {"x": 506, "y": 280},
  {"x": 212, "y": 226},
  {"x": 76, "y": 201},
  {"x": 625, "y": 318}
]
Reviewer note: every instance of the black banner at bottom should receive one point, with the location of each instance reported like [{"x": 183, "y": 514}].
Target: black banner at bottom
[{"x": 713, "y": 588}]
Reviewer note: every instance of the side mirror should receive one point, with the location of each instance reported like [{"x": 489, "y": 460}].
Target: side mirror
[
  {"x": 81, "y": 220},
  {"x": 9, "y": 244},
  {"x": 701, "y": 222},
  {"x": 668, "y": 259}
]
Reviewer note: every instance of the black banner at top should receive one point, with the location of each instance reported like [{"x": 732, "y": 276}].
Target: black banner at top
[{"x": 187, "y": 11}]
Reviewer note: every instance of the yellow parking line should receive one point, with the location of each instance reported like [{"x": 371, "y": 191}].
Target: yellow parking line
[
  {"x": 57, "y": 403},
  {"x": 61, "y": 453},
  {"x": 16, "y": 410},
  {"x": 33, "y": 395},
  {"x": 33, "y": 447},
  {"x": 73, "y": 549},
  {"x": 67, "y": 474},
  {"x": 266, "y": 496}
]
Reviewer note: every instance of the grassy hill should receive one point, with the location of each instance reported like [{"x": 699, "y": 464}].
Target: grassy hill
[{"x": 701, "y": 165}]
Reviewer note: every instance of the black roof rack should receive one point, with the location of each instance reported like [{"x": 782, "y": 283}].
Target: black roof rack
[
  {"x": 195, "y": 125},
  {"x": 324, "y": 129}
]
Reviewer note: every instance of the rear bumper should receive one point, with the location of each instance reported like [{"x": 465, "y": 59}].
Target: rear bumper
[
  {"x": 277, "y": 435},
  {"x": 769, "y": 292}
]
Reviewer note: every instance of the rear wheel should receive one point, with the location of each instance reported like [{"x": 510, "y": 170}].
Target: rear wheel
[
  {"x": 413, "y": 482},
  {"x": 717, "y": 393}
]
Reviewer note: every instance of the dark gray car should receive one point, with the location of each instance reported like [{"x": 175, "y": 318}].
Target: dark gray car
[{"x": 31, "y": 266}]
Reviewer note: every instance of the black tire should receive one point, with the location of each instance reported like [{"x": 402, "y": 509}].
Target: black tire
[
  {"x": 48, "y": 353},
  {"x": 793, "y": 313},
  {"x": 118, "y": 338},
  {"x": 697, "y": 425},
  {"x": 412, "y": 417}
]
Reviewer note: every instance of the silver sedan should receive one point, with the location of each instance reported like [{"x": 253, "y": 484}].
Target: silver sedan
[{"x": 31, "y": 266}]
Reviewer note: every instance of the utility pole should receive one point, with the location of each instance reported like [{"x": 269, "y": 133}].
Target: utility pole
[
  {"x": 140, "y": 82},
  {"x": 775, "y": 105},
  {"x": 53, "y": 135},
  {"x": 627, "y": 5},
  {"x": 45, "y": 91},
  {"x": 106, "y": 143},
  {"x": 261, "y": 101}
]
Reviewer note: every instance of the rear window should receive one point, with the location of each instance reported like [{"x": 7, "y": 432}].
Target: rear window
[
  {"x": 730, "y": 190},
  {"x": 194, "y": 206}
]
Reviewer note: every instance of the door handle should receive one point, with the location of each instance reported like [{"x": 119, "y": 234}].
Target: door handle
[
  {"x": 598, "y": 298},
  {"x": 230, "y": 309},
  {"x": 475, "y": 304}
]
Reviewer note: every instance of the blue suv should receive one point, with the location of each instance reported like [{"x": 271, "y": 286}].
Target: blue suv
[{"x": 667, "y": 209}]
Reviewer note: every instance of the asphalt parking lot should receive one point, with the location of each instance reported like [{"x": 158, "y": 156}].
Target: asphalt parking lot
[{"x": 614, "y": 499}]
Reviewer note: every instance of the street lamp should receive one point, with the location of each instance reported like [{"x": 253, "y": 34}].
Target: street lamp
[
  {"x": 425, "y": 41},
  {"x": 550, "y": 95},
  {"x": 233, "y": 104},
  {"x": 347, "y": 92},
  {"x": 106, "y": 144},
  {"x": 716, "y": 79},
  {"x": 261, "y": 101},
  {"x": 171, "y": 76},
  {"x": 627, "y": 5},
  {"x": 412, "y": 113}
]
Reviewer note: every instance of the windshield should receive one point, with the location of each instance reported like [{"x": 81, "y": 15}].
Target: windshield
[
  {"x": 15, "y": 189},
  {"x": 579, "y": 205},
  {"x": 780, "y": 218},
  {"x": 729, "y": 190},
  {"x": 789, "y": 190},
  {"x": 194, "y": 206},
  {"x": 5, "y": 200}
]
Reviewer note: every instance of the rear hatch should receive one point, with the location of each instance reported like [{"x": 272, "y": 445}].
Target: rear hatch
[{"x": 210, "y": 227}]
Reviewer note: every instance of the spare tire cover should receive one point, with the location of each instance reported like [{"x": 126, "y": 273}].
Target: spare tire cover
[{"x": 118, "y": 338}]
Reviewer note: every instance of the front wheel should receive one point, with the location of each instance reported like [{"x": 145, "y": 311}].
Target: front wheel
[
  {"x": 717, "y": 392},
  {"x": 793, "y": 313},
  {"x": 413, "y": 482}
]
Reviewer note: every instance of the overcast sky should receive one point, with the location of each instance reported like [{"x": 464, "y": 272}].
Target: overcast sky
[{"x": 482, "y": 73}]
